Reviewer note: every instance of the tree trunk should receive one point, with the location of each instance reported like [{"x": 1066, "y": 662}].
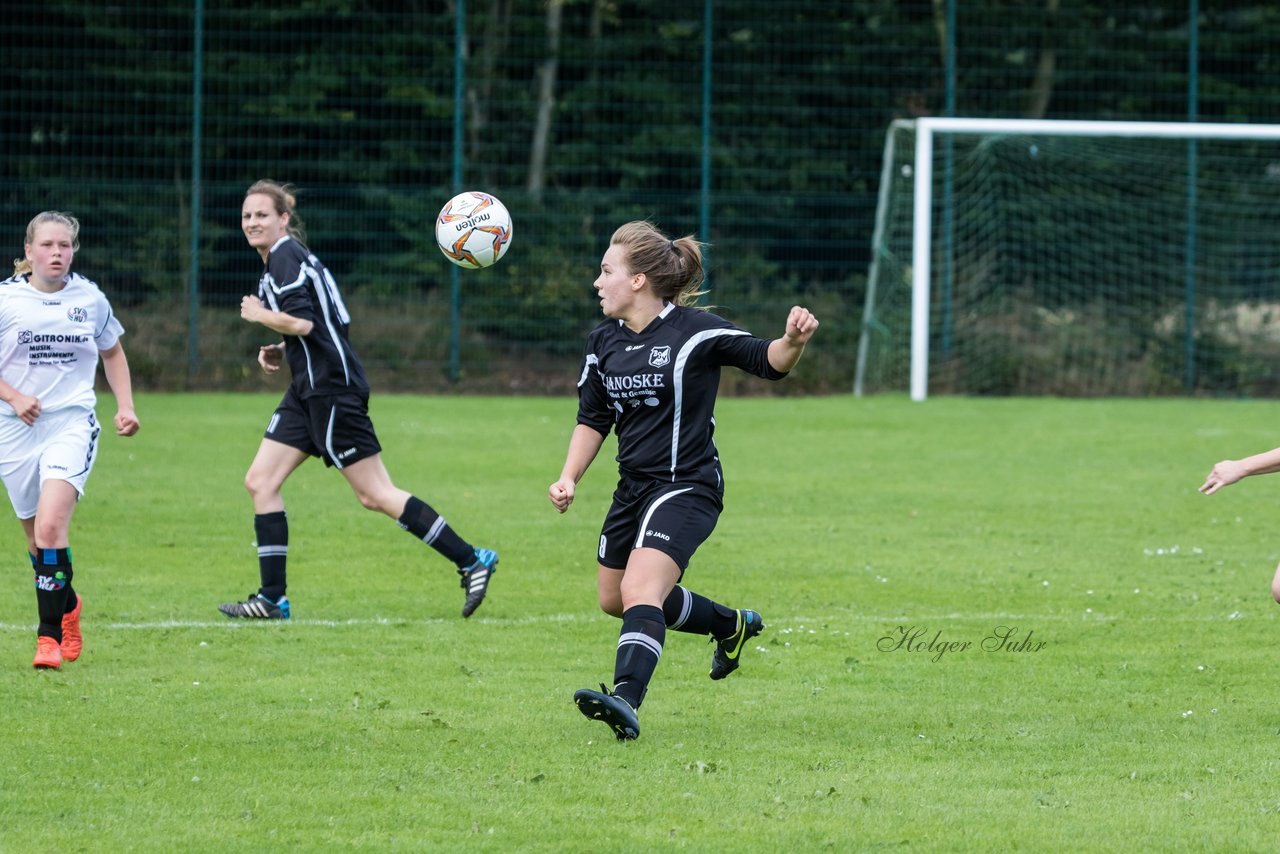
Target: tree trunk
[
  {"x": 1041, "y": 91},
  {"x": 546, "y": 105},
  {"x": 940, "y": 27},
  {"x": 494, "y": 39}
]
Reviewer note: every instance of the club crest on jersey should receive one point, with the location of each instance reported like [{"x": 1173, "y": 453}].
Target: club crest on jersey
[
  {"x": 660, "y": 356},
  {"x": 77, "y": 315}
]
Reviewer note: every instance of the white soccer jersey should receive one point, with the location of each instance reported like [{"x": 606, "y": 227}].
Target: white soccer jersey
[{"x": 49, "y": 343}]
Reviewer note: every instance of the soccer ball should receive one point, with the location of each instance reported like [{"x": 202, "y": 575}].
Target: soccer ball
[{"x": 473, "y": 230}]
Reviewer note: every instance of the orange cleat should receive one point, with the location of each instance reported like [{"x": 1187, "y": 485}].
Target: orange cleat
[
  {"x": 72, "y": 641},
  {"x": 48, "y": 654}
]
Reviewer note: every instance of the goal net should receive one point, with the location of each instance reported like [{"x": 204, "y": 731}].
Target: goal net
[{"x": 1074, "y": 258}]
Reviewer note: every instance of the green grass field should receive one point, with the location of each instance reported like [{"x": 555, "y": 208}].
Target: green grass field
[{"x": 1137, "y": 709}]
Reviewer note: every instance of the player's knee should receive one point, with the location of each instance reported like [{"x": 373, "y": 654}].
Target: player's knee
[
  {"x": 380, "y": 498},
  {"x": 1275, "y": 588},
  {"x": 369, "y": 501},
  {"x": 254, "y": 484},
  {"x": 611, "y": 603},
  {"x": 637, "y": 588},
  {"x": 47, "y": 533}
]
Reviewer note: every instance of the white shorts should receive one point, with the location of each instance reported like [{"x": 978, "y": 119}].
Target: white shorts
[{"x": 59, "y": 446}]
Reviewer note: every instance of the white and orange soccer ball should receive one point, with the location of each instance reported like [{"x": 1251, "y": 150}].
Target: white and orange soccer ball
[{"x": 473, "y": 230}]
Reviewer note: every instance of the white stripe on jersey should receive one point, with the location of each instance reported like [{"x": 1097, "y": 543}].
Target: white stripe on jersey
[
  {"x": 677, "y": 380},
  {"x": 592, "y": 359},
  {"x": 269, "y": 291},
  {"x": 296, "y": 283},
  {"x": 333, "y": 311},
  {"x": 327, "y": 299}
]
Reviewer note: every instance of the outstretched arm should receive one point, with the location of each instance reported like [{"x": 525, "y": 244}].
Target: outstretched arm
[
  {"x": 784, "y": 352},
  {"x": 584, "y": 444},
  {"x": 1228, "y": 472}
]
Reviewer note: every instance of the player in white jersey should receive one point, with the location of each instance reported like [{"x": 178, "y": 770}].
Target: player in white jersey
[
  {"x": 54, "y": 324},
  {"x": 651, "y": 373}
]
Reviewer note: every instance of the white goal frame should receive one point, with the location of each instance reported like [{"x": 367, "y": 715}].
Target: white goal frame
[{"x": 922, "y": 204}]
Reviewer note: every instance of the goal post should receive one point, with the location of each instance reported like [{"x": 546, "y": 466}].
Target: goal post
[{"x": 1029, "y": 213}]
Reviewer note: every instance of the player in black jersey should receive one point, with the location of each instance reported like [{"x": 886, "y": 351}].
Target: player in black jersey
[
  {"x": 324, "y": 413},
  {"x": 651, "y": 373}
]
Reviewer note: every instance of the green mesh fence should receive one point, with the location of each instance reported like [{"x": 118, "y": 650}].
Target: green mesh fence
[{"x": 756, "y": 125}]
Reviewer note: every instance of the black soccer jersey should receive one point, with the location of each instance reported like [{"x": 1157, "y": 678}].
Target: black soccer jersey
[
  {"x": 295, "y": 282},
  {"x": 658, "y": 389}
]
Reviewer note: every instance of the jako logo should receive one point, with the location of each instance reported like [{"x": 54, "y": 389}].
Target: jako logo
[{"x": 657, "y": 534}]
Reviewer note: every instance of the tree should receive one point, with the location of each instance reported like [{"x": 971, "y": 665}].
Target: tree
[{"x": 546, "y": 104}]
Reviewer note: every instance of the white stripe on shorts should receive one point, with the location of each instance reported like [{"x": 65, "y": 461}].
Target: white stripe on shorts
[{"x": 644, "y": 523}]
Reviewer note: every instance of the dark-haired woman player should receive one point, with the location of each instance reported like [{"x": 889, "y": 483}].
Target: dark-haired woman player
[
  {"x": 325, "y": 411},
  {"x": 651, "y": 372}
]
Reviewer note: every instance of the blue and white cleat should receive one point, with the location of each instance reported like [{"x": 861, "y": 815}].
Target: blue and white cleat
[
  {"x": 475, "y": 579},
  {"x": 257, "y": 607}
]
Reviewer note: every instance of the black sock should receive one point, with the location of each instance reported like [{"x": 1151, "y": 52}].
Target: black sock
[
  {"x": 53, "y": 579},
  {"x": 639, "y": 648},
  {"x": 429, "y": 526},
  {"x": 686, "y": 611},
  {"x": 72, "y": 598},
  {"x": 272, "y": 532}
]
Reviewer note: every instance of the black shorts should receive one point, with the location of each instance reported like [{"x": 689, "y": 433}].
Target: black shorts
[
  {"x": 674, "y": 518},
  {"x": 334, "y": 427}
]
